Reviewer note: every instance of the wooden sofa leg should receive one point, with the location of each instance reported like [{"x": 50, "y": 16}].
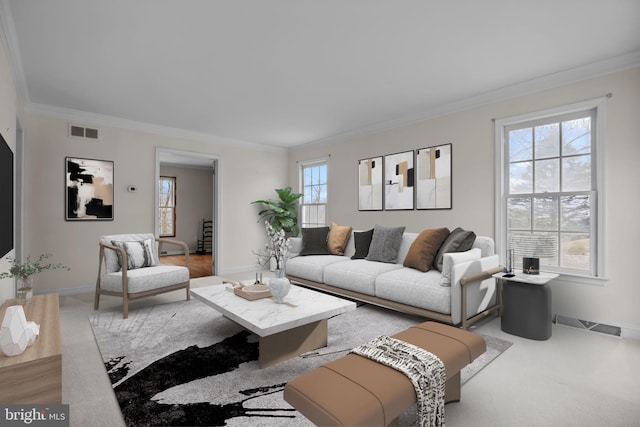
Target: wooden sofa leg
[
  {"x": 125, "y": 308},
  {"x": 452, "y": 389},
  {"x": 96, "y": 302}
]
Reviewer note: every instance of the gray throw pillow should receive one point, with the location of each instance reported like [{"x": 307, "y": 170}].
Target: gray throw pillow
[
  {"x": 314, "y": 241},
  {"x": 139, "y": 253},
  {"x": 362, "y": 241},
  {"x": 458, "y": 241},
  {"x": 385, "y": 244}
]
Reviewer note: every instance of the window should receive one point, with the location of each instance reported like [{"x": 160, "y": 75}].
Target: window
[
  {"x": 314, "y": 194},
  {"x": 167, "y": 208},
  {"x": 550, "y": 191}
]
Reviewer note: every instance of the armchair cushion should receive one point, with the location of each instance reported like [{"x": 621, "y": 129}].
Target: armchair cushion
[
  {"x": 139, "y": 253},
  {"x": 111, "y": 257},
  {"x": 145, "y": 279}
]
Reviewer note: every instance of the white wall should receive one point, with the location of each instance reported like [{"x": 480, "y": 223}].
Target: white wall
[
  {"x": 472, "y": 134},
  {"x": 245, "y": 174},
  {"x": 194, "y": 202},
  {"x": 8, "y": 102}
]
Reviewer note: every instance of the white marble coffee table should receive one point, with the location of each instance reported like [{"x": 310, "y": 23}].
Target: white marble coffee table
[{"x": 285, "y": 330}]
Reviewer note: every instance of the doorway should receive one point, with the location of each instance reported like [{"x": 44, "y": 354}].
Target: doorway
[{"x": 199, "y": 173}]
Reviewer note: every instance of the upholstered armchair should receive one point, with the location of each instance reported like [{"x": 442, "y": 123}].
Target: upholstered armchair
[{"x": 130, "y": 268}]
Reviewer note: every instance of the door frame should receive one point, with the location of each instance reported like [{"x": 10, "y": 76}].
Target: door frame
[{"x": 203, "y": 159}]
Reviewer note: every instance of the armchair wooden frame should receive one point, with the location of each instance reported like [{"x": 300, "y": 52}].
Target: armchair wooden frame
[{"x": 129, "y": 296}]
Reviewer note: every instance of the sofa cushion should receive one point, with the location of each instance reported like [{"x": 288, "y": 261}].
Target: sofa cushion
[
  {"x": 362, "y": 242},
  {"x": 311, "y": 267},
  {"x": 424, "y": 248},
  {"x": 357, "y": 275},
  {"x": 339, "y": 235},
  {"x": 144, "y": 279},
  {"x": 452, "y": 258},
  {"x": 412, "y": 287},
  {"x": 385, "y": 244},
  {"x": 458, "y": 241},
  {"x": 314, "y": 241},
  {"x": 139, "y": 253},
  {"x": 486, "y": 245}
]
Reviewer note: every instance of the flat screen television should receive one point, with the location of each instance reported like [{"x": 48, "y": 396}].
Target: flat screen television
[{"x": 6, "y": 198}]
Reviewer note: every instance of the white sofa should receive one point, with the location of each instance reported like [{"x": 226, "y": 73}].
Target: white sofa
[{"x": 470, "y": 296}]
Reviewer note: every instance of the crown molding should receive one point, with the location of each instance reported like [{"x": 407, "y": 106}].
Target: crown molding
[
  {"x": 121, "y": 123},
  {"x": 539, "y": 84}
]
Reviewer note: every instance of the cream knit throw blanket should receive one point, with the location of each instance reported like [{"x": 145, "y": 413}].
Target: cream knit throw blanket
[{"x": 424, "y": 369}]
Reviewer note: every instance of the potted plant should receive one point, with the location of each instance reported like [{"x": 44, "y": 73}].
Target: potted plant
[
  {"x": 24, "y": 272},
  {"x": 282, "y": 214}
]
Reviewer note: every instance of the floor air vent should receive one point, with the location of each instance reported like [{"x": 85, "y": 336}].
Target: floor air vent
[{"x": 590, "y": 326}]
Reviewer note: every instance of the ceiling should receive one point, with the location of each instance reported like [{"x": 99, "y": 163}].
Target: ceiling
[{"x": 290, "y": 72}]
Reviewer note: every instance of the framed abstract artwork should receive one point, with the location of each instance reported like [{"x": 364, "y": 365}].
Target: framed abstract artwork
[
  {"x": 370, "y": 184},
  {"x": 89, "y": 189},
  {"x": 433, "y": 177},
  {"x": 398, "y": 181}
]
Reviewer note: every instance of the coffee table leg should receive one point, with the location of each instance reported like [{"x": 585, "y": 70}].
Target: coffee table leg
[{"x": 288, "y": 344}]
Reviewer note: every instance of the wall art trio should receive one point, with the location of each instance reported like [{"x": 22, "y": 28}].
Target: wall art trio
[{"x": 415, "y": 179}]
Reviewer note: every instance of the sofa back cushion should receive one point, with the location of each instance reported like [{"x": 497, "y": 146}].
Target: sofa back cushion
[
  {"x": 424, "y": 248},
  {"x": 314, "y": 241},
  {"x": 361, "y": 242},
  {"x": 486, "y": 245},
  {"x": 385, "y": 244},
  {"x": 458, "y": 241},
  {"x": 339, "y": 236}
]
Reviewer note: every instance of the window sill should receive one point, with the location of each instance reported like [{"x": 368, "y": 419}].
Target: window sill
[{"x": 585, "y": 280}]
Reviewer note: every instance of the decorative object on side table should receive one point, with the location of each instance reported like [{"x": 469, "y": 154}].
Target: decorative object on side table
[
  {"x": 24, "y": 271},
  {"x": 278, "y": 249},
  {"x": 16, "y": 333}
]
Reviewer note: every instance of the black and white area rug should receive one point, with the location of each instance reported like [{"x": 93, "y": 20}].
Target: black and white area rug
[{"x": 183, "y": 364}]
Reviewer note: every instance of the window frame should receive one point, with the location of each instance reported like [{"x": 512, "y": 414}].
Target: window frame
[
  {"x": 173, "y": 207},
  {"x": 597, "y": 275},
  {"x": 324, "y": 161}
]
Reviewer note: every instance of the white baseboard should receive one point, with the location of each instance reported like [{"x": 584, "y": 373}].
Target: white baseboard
[
  {"x": 630, "y": 333},
  {"x": 68, "y": 291}
]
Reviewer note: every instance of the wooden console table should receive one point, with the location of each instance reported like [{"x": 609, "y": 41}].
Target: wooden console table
[{"x": 35, "y": 376}]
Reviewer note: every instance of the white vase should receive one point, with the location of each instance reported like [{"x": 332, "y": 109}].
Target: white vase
[{"x": 279, "y": 286}]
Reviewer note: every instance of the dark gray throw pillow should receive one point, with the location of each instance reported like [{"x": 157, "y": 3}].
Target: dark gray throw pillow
[
  {"x": 385, "y": 244},
  {"x": 362, "y": 241},
  {"x": 458, "y": 241},
  {"x": 314, "y": 241}
]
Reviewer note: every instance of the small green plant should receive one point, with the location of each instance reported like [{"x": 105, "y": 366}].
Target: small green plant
[
  {"x": 282, "y": 214},
  {"x": 28, "y": 268}
]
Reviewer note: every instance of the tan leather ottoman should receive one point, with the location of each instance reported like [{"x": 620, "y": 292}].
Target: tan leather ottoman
[{"x": 356, "y": 391}]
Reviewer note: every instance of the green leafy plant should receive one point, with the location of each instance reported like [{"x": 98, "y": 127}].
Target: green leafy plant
[
  {"x": 282, "y": 213},
  {"x": 24, "y": 270}
]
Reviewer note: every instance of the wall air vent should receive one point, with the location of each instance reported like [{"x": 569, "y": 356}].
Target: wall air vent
[{"x": 83, "y": 132}]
